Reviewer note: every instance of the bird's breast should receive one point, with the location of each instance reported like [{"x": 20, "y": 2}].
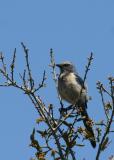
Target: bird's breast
[{"x": 69, "y": 89}]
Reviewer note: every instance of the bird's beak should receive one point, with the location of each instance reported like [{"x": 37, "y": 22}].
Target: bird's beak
[{"x": 58, "y": 65}]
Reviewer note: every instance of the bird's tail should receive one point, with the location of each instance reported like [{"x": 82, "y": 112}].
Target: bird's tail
[{"x": 88, "y": 126}]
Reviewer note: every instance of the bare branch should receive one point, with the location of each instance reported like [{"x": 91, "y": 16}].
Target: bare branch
[
  {"x": 60, "y": 130},
  {"x": 12, "y": 66},
  {"x": 28, "y": 66},
  {"x": 42, "y": 84},
  {"x": 101, "y": 89},
  {"x": 109, "y": 122},
  {"x": 3, "y": 63},
  {"x": 53, "y": 65}
]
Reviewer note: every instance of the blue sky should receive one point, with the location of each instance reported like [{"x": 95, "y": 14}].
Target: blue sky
[{"x": 73, "y": 29}]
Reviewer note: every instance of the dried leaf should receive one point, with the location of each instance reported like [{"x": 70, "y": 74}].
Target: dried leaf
[
  {"x": 105, "y": 143},
  {"x": 39, "y": 120},
  {"x": 40, "y": 156},
  {"x": 42, "y": 133},
  {"x": 80, "y": 145},
  {"x": 53, "y": 152}
]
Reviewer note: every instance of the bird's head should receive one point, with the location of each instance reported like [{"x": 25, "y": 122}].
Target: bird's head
[{"x": 66, "y": 67}]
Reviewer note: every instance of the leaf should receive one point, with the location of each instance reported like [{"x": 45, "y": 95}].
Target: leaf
[
  {"x": 98, "y": 134},
  {"x": 72, "y": 144},
  {"x": 40, "y": 156},
  {"x": 42, "y": 133},
  {"x": 34, "y": 142},
  {"x": 38, "y": 120},
  {"x": 32, "y": 135},
  {"x": 53, "y": 152},
  {"x": 80, "y": 145},
  {"x": 105, "y": 143}
]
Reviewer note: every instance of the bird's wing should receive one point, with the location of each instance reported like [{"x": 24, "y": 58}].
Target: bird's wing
[{"x": 80, "y": 81}]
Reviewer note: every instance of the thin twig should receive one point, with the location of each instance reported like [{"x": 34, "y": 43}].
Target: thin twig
[
  {"x": 85, "y": 75},
  {"x": 12, "y": 66},
  {"x": 53, "y": 132},
  {"x": 28, "y": 66},
  {"x": 3, "y": 63},
  {"x": 101, "y": 89},
  {"x": 53, "y": 65},
  {"x": 42, "y": 83}
]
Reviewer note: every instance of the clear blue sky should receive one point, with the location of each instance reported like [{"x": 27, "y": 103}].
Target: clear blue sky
[{"x": 73, "y": 28}]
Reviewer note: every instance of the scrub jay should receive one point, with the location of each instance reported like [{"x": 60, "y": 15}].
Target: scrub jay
[{"x": 71, "y": 88}]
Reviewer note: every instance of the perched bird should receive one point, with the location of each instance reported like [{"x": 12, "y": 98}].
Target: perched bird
[{"x": 71, "y": 88}]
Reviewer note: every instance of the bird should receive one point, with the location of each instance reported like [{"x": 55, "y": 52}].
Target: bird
[{"x": 72, "y": 89}]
